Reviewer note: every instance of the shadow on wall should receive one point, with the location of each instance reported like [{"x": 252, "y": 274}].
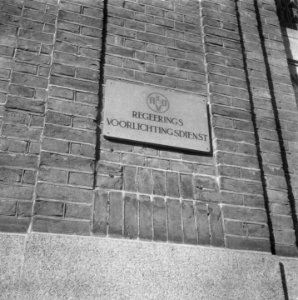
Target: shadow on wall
[{"x": 291, "y": 43}]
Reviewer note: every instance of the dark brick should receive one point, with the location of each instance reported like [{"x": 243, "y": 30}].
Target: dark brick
[
  {"x": 64, "y": 193},
  {"x": 145, "y": 183},
  {"x": 172, "y": 184},
  {"x": 13, "y": 224},
  {"x": 159, "y": 219},
  {"x": 146, "y": 218},
  {"x": 29, "y": 80},
  {"x": 78, "y": 211},
  {"x": 159, "y": 183},
  {"x": 202, "y": 219},
  {"x": 216, "y": 227},
  {"x": 101, "y": 213},
  {"x": 81, "y": 179},
  {"x": 8, "y": 208},
  {"x": 116, "y": 214},
  {"x": 130, "y": 216},
  {"x": 24, "y": 104},
  {"x": 47, "y": 208},
  {"x": 107, "y": 182},
  {"x": 18, "y": 160},
  {"x": 46, "y": 38},
  {"x": 81, "y": 85},
  {"x": 41, "y": 224},
  {"x": 76, "y": 135},
  {"x": 237, "y": 242},
  {"x": 24, "y": 209},
  {"x": 174, "y": 221},
  {"x": 108, "y": 168},
  {"x": 190, "y": 235},
  {"x": 57, "y": 118},
  {"x": 129, "y": 177},
  {"x": 186, "y": 186}
]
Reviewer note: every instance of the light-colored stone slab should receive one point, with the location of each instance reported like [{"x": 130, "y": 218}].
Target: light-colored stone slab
[
  {"x": 291, "y": 276},
  {"x": 70, "y": 267},
  {"x": 11, "y": 258},
  {"x": 155, "y": 115}
]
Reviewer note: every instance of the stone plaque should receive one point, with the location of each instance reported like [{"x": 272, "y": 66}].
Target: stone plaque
[{"x": 156, "y": 116}]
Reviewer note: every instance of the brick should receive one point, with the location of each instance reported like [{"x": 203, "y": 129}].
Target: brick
[
  {"x": 81, "y": 85},
  {"x": 83, "y": 123},
  {"x": 41, "y": 224},
  {"x": 83, "y": 150},
  {"x": 109, "y": 168},
  {"x": 47, "y": 208},
  {"x": 181, "y": 166},
  {"x": 159, "y": 183},
  {"x": 245, "y": 214},
  {"x": 129, "y": 177},
  {"x": 247, "y": 243},
  {"x": 13, "y": 146},
  {"x": 18, "y": 160},
  {"x": 16, "y": 192},
  {"x": 8, "y": 175},
  {"x": 107, "y": 182},
  {"x": 81, "y": 179},
  {"x": 54, "y": 146},
  {"x": 174, "y": 221},
  {"x": 172, "y": 185},
  {"x": 24, "y": 104},
  {"x": 63, "y": 70},
  {"x": 13, "y": 224},
  {"x": 32, "y": 58},
  {"x": 29, "y": 177},
  {"x": 66, "y": 47},
  {"x": 53, "y": 175},
  {"x": 116, "y": 214},
  {"x": 78, "y": 40},
  {"x": 24, "y": 209},
  {"x": 216, "y": 226},
  {"x": 155, "y": 39},
  {"x": 29, "y": 80},
  {"x": 58, "y": 118},
  {"x": 76, "y": 109},
  {"x": 201, "y": 213},
  {"x": 145, "y": 183},
  {"x": 159, "y": 219},
  {"x": 204, "y": 182},
  {"x": 145, "y": 218},
  {"x": 158, "y": 163},
  {"x": 46, "y": 38},
  {"x": 130, "y": 216},
  {"x": 8, "y": 208},
  {"x": 190, "y": 235},
  {"x": 87, "y": 74},
  {"x": 186, "y": 187},
  {"x": 65, "y": 133},
  {"x": 78, "y": 211},
  {"x": 86, "y": 98},
  {"x": 25, "y": 68},
  {"x": 101, "y": 213},
  {"x": 64, "y": 193},
  {"x": 252, "y": 187}
]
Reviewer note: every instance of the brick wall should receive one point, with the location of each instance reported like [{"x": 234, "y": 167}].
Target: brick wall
[{"x": 59, "y": 174}]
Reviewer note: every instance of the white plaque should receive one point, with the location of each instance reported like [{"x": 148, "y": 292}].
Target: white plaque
[{"x": 157, "y": 116}]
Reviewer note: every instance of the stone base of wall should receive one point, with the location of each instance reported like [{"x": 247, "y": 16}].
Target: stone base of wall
[{"x": 43, "y": 266}]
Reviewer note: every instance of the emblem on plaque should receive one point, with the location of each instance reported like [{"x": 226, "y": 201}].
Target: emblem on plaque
[{"x": 158, "y": 103}]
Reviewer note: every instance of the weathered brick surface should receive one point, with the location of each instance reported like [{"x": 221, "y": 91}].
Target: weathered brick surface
[
  {"x": 58, "y": 172},
  {"x": 270, "y": 87}
]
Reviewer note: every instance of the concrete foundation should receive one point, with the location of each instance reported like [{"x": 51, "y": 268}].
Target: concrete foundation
[{"x": 43, "y": 266}]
